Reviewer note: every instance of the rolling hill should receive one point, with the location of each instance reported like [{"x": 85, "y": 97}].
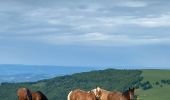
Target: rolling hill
[{"x": 57, "y": 88}]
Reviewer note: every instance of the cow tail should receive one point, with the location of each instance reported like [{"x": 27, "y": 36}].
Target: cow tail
[{"x": 68, "y": 97}]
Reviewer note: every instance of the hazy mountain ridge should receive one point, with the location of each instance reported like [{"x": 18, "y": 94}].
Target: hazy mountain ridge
[
  {"x": 24, "y": 77},
  {"x": 30, "y": 73}
]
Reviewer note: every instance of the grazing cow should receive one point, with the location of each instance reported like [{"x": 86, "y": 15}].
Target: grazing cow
[
  {"x": 81, "y": 95},
  {"x": 24, "y": 94},
  {"x": 38, "y": 96},
  {"x": 107, "y": 95}
]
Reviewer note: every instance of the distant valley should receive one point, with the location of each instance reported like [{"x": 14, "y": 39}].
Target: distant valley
[{"x": 31, "y": 73}]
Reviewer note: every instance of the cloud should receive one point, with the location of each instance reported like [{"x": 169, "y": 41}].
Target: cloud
[
  {"x": 75, "y": 39},
  {"x": 85, "y": 22},
  {"x": 133, "y": 4},
  {"x": 161, "y": 21},
  {"x": 102, "y": 39},
  {"x": 149, "y": 21}
]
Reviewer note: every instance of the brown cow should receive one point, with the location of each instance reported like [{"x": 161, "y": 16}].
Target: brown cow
[
  {"x": 81, "y": 95},
  {"x": 38, "y": 96},
  {"x": 24, "y": 94}
]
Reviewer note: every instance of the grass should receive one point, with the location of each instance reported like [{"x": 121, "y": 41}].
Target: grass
[{"x": 157, "y": 92}]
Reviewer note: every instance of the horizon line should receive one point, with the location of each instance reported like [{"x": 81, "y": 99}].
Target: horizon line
[{"x": 99, "y": 67}]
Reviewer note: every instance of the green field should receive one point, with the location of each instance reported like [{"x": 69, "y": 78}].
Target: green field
[
  {"x": 158, "y": 92},
  {"x": 110, "y": 79}
]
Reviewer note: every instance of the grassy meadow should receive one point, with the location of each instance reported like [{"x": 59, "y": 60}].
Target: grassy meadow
[
  {"x": 158, "y": 92},
  {"x": 110, "y": 79}
]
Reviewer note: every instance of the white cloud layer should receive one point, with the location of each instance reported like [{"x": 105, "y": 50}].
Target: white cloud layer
[
  {"x": 160, "y": 21},
  {"x": 133, "y": 4},
  {"x": 120, "y": 22},
  {"x": 103, "y": 39}
]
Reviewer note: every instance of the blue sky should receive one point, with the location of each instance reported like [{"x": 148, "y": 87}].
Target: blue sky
[{"x": 85, "y": 33}]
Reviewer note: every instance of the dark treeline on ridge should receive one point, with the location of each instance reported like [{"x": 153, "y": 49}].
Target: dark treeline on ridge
[{"x": 57, "y": 88}]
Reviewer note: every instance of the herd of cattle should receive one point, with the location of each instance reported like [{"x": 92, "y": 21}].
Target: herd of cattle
[{"x": 95, "y": 94}]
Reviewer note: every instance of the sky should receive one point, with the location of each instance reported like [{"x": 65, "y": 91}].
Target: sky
[{"x": 107, "y": 33}]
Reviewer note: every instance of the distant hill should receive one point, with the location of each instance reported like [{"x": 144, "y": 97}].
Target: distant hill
[
  {"x": 32, "y": 73},
  {"x": 57, "y": 88}
]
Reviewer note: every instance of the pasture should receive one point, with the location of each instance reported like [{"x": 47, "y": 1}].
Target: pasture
[{"x": 158, "y": 92}]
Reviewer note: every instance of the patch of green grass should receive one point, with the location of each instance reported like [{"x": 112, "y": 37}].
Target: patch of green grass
[
  {"x": 155, "y": 75},
  {"x": 157, "y": 92}
]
